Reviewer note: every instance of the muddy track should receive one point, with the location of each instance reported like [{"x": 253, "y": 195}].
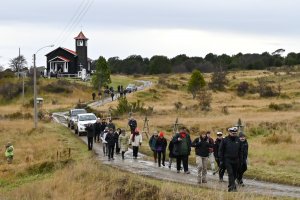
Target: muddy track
[{"x": 144, "y": 167}]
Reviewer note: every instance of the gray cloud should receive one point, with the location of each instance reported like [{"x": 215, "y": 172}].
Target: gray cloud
[{"x": 275, "y": 17}]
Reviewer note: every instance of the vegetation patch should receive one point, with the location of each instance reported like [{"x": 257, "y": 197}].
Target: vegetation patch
[
  {"x": 17, "y": 115},
  {"x": 280, "y": 107},
  {"x": 276, "y": 139},
  {"x": 61, "y": 86}
]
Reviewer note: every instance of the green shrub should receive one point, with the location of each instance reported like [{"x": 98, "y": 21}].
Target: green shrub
[
  {"x": 17, "y": 115},
  {"x": 257, "y": 131},
  {"x": 8, "y": 91},
  {"x": 276, "y": 139},
  {"x": 61, "y": 86},
  {"x": 125, "y": 107},
  {"x": 280, "y": 107}
]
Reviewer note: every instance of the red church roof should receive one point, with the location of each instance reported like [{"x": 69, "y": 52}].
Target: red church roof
[
  {"x": 81, "y": 36},
  {"x": 63, "y": 58},
  {"x": 70, "y": 51}
]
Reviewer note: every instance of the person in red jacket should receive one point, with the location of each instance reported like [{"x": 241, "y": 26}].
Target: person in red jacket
[{"x": 160, "y": 147}]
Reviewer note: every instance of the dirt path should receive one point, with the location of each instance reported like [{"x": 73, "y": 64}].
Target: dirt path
[{"x": 144, "y": 167}]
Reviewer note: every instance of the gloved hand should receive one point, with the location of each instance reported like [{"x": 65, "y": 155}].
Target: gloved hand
[{"x": 222, "y": 164}]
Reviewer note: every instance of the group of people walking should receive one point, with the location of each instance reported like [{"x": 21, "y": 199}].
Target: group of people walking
[
  {"x": 114, "y": 139},
  {"x": 230, "y": 153}
]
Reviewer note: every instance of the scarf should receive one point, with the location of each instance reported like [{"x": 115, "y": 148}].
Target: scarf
[
  {"x": 182, "y": 134},
  {"x": 133, "y": 135}
]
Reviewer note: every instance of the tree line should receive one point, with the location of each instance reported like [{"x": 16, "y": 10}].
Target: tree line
[{"x": 136, "y": 64}]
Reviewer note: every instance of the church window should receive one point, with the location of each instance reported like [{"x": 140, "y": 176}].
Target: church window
[{"x": 79, "y": 42}]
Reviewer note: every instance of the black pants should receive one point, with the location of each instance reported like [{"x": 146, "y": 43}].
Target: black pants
[
  {"x": 163, "y": 154},
  {"x": 185, "y": 160},
  {"x": 221, "y": 170},
  {"x": 96, "y": 138},
  {"x": 111, "y": 151},
  {"x": 90, "y": 143},
  {"x": 231, "y": 167},
  {"x": 117, "y": 148},
  {"x": 123, "y": 155},
  {"x": 240, "y": 173},
  {"x": 135, "y": 151},
  {"x": 155, "y": 155}
]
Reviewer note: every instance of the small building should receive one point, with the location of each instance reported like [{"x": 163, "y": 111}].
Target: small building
[{"x": 68, "y": 62}]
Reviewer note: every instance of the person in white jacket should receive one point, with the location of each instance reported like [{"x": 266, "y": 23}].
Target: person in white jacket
[
  {"x": 136, "y": 141},
  {"x": 104, "y": 142}
]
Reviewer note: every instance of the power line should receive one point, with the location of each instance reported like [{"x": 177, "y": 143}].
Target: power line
[
  {"x": 69, "y": 22},
  {"x": 78, "y": 19}
]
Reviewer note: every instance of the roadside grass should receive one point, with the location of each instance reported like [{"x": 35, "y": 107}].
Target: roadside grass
[
  {"x": 276, "y": 161},
  {"x": 273, "y": 135},
  {"x": 36, "y": 173}
]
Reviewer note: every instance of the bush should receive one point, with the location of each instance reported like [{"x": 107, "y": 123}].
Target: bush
[
  {"x": 17, "y": 115},
  {"x": 276, "y": 139},
  {"x": 61, "y": 86},
  {"x": 257, "y": 131},
  {"x": 205, "y": 99},
  {"x": 280, "y": 107},
  {"x": 7, "y": 74},
  {"x": 178, "y": 105},
  {"x": 265, "y": 90},
  {"x": 126, "y": 107},
  {"x": 242, "y": 88},
  {"x": 218, "y": 80},
  {"x": 8, "y": 91}
]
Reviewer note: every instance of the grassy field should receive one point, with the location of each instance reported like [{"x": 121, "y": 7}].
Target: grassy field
[
  {"x": 38, "y": 173},
  {"x": 273, "y": 135}
]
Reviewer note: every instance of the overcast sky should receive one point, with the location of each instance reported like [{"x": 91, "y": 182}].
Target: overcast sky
[{"x": 149, "y": 27}]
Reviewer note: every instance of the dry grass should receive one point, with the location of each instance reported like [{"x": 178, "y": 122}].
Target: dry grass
[
  {"x": 273, "y": 161},
  {"x": 37, "y": 174}
]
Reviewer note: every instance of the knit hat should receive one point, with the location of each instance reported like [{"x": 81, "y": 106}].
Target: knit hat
[
  {"x": 161, "y": 134},
  {"x": 242, "y": 134}
]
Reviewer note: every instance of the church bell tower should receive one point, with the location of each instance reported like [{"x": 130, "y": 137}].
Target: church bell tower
[{"x": 81, "y": 50}]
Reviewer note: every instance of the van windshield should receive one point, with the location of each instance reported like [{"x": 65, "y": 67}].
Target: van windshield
[
  {"x": 76, "y": 112},
  {"x": 87, "y": 117}
]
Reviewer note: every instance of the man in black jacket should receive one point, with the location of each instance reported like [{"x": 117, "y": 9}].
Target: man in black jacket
[
  {"x": 103, "y": 125},
  {"x": 230, "y": 154},
  {"x": 111, "y": 125},
  {"x": 90, "y": 135},
  {"x": 243, "y": 163},
  {"x": 202, "y": 146},
  {"x": 97, "y": 130},
  {"x": 132, "y": 124},
  {"x": 216, "y": 150},
  {"x": 111, "y": 142}
]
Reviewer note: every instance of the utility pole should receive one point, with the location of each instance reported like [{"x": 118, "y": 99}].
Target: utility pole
[
  {"x": 35, "y": 87},
  {"x": 19, "y": 64},
  {"x": 35, "y": 93}
]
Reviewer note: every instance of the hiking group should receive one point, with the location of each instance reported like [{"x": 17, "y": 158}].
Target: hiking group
[
  {"x": 230, "y": 152},
  {"x": 114, "y": 139}
]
